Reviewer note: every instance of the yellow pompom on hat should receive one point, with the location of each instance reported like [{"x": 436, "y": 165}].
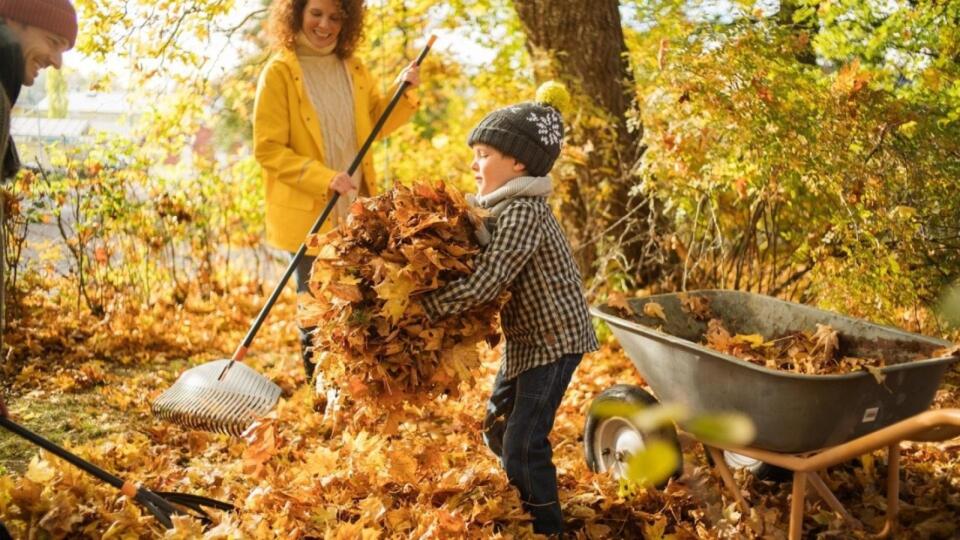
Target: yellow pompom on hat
[
  {"x": 554, "y": 94},
  {"x": 531, "y": 132}
]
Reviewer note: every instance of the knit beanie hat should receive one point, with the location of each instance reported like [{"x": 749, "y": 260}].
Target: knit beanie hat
[
  {"x": 56, "y": 16},
  {"x": 531, "y": 132}
]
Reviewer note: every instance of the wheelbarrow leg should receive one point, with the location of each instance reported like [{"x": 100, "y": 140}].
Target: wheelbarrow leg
[
  {"x": 893, "y": 490},
  {"x": 727, "y": 477},
  {"x": 797, "y": 503},
  {"x": 832, "y": 501}
]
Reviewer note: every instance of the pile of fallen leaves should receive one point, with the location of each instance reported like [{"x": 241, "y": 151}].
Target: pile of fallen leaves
[
  {"x": 300, "y": 474},
  {"x": 373, "y": 336}
]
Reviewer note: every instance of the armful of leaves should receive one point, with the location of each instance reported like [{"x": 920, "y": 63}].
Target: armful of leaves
[{"x": 366, "y": 287}]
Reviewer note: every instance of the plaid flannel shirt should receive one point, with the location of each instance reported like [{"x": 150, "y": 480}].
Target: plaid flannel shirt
[{"x": 547, "y": 315}]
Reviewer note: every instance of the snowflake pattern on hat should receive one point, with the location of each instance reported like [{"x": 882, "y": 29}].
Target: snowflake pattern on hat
[
  {"x": 530, "y": 132},
  {"x": 549, "y": 126}
]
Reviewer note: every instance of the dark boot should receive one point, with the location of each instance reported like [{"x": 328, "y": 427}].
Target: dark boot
[{"x": 306, "y": 352}]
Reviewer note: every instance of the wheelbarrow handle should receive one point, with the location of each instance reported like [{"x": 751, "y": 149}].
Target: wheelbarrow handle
[{"x": 241, "y": 351}]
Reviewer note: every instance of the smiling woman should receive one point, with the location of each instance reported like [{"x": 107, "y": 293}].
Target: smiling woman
[{"x": 316, "y": 103}]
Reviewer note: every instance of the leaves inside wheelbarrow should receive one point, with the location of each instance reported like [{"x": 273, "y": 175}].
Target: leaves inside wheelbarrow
[
  {"x": 810, "y": 352},
  {"x": 366, "y": 285}
]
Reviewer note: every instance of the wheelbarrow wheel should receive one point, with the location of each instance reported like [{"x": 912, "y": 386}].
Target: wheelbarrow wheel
[{"x": 609, "y": 441}]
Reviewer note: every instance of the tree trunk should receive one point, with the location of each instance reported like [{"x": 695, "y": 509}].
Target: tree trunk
[
  {"x": 584, "y": 40},
  {"x": 581, "y": 43}
]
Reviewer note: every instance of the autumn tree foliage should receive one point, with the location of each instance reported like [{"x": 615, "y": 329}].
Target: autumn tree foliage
[{"x": 803, "y": 150}]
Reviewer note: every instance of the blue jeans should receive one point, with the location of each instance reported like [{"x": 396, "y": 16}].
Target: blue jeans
[
  {"x": 306, "y": 343},
  {"x": 519, "y": 418}
]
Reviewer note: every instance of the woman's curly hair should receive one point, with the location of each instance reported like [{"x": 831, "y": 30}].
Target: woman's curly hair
[{"x": 286, "y": 21}]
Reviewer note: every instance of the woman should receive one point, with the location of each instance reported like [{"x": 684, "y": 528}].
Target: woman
[{"x": 316, "y": 103}]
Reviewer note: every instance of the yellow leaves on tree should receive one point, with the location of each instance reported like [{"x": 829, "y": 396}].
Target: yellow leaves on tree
[{"x": 375, "y": 340}]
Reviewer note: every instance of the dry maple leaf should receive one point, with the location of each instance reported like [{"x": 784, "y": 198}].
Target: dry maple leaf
[
  {"x": 827, "y": 343},
  {"x": 618, "y": 300},
  {"x": 948, "y": 351},
  {"x": 697, "y": 307},
  {"x": 717, "y": 336},
  {"x": 810, "y": 353},
  {"x": 653, "y": 309},
  {"x": 876, "y": 372},
  {"x": 261, "y": 445}
]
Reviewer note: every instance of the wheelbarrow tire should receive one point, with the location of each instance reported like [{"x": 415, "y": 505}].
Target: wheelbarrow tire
[{"x": 600, "y": 432}]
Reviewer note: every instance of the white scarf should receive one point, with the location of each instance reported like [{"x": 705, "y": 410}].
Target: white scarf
[{"x": 498, "y": 200}]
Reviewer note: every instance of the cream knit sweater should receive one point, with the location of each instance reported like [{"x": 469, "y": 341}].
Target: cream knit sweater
[{"x": 330, "y": 89}]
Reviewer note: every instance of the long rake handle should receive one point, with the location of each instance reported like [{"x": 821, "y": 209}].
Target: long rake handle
[
  {"x": 156, "y": 503},
  {"x": 60, "y": 452},
  {"x": 128, "y": 488},
  {"x": 241, "y": 351}
]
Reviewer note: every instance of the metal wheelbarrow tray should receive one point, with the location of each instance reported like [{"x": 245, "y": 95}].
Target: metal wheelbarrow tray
[{"x": 793, "y": 413}]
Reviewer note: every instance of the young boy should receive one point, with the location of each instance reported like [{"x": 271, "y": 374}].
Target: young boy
[{"x": 546, "y": 322}]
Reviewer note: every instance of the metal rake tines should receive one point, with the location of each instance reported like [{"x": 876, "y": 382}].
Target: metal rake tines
[{"x": 198, "y": 400}]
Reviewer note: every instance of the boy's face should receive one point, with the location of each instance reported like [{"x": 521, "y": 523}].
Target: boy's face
[
  {"x": 493, "y": 169},
  {"x": 41, "y": 49}
]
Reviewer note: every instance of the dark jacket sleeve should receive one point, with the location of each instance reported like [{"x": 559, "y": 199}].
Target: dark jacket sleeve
[
  {"x": 11, "y": 82},
  {"x": 4, "y": 123}
]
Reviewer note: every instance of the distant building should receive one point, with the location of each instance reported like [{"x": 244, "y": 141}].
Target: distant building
[
  {"x": 88, "y": 113},
  {"x": 91, "y": 113}
]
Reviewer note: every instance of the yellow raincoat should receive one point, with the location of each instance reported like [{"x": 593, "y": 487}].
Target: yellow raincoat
[{"x": 287, "y": 143}]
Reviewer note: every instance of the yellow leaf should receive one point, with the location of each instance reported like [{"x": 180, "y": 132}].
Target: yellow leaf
[
  {"x": 754, "y": 340},
  {"x": 40, "y": 471},
  {"x": 655, "y": 530},
  {"x": 653, "y": 309},
  {"x": 322, "y": 461},
  {"x": 877, "y": 373},
  {"x": 653, "y": 464},
  {"x": 618, "y": 300},
  {"x": 395, "y": 289}
]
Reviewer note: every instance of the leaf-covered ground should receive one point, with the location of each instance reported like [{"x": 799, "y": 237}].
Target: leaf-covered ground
[{"x": 89, "y": 383}]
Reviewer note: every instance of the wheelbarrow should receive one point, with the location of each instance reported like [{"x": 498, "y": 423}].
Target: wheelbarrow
[{"x": 804, "y": 423}]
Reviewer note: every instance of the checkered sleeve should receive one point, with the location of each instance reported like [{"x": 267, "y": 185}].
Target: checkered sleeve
[{"x": 515, "y": 240}]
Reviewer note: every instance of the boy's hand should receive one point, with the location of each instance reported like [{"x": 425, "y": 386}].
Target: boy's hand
[{"x": 342, "y": 184}]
